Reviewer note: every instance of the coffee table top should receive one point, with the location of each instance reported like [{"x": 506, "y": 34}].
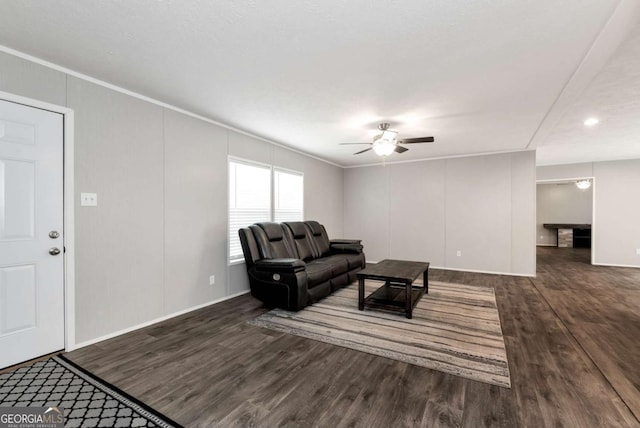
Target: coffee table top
[{"x": 394, "y": 270}]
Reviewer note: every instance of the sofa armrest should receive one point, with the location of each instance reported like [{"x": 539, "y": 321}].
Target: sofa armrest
[
  {"x": 345, "y": 241},
  {"x": 282, "y": 287},
  {"x": 346, "y": 248},
  {"x": 280, "y": 265}
]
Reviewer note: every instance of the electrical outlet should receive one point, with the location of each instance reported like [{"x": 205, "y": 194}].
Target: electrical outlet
[
  {"x": 638, "y": 251},
  {"x": 212, "y": 280},
  {"x": 458, "y": 253},
  {"x": 88, "y": 199}
]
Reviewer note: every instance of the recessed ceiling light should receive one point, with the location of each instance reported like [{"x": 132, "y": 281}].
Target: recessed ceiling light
[{"x": 591, "y": 121}]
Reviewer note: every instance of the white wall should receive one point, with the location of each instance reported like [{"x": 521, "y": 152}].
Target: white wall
[
  {"x": 160, "y": 229},
  {"x": 483, "y": 206},
  {"x": 561, "y": 203},
  {"x": 616, "y": 230}
]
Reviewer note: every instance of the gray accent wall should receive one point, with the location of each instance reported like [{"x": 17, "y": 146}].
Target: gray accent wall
[
  {"x": 367, "y": 209},
  {"x": 616, "y": 230},
  {"x": 119, "y": 243},
  {"x": 482, "y": 206},
  {"x": 195, "y": 210},
  {"x": 561, "y": 203},
  {"x": 160, "y": 228}
]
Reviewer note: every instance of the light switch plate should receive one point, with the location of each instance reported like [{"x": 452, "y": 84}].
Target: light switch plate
[{"x": 89, "y": 199}]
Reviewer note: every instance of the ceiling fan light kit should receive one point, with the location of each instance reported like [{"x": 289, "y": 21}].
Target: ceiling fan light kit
[{"x": 387, "y": 142}]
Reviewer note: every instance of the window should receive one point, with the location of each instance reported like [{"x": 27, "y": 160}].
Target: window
[
  {"x": 288, "y": 192},
  {"x": 251, "y": 199}
]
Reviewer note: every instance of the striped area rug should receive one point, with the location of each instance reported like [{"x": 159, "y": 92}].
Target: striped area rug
[{"x": 455, "y": 329}]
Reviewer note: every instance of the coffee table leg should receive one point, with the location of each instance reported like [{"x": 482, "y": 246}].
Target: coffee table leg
[
  {"x": 425, "y": 279},
  {"x": 408, "y": 302},
  {"x": 361, "y": 294}
]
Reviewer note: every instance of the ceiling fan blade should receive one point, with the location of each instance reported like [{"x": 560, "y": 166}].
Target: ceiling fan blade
[
  {"x": 362, "y": 151},
  {"x": 348, "y": 144},
  {"x": 418, "y": 140},
  {"x": 400, "y": 149}
]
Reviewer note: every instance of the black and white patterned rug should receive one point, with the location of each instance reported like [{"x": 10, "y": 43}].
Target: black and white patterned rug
[{"x": 87, "y": 400}]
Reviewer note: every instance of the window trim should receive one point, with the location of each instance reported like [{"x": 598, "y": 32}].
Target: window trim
[{"x": 272, "y": 170}]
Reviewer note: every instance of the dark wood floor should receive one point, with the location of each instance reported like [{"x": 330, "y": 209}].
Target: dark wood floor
[{"x": 572, "y": 337}]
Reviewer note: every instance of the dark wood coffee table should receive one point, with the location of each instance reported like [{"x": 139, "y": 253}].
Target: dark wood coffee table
[{"x": 398, "y": 291}]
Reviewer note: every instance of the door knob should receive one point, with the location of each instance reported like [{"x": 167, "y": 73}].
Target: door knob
[
  {"x": 54, "y": 234},
  {"x": 54, "y": 251}
]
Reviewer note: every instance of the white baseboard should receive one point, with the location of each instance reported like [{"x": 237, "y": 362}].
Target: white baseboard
[
  {"x": 546, "y": 245},
  {"x": 151, "y": 322},
  {"x": 476, "y": 271},
  {"x": 485, "y": 271},
  {"x": 615, "y": 265}
]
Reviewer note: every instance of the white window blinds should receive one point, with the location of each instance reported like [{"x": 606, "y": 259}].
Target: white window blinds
[
  {"x": 288, "y": 196},
  {"x": 258, "y": 193},
  {"x": 249, "y": 200}
]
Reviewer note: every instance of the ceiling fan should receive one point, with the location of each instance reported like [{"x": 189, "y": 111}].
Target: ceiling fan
[{"x": 386, "y": 142}]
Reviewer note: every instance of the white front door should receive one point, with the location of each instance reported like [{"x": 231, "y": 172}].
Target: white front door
[{"x": 31, "y": 219}]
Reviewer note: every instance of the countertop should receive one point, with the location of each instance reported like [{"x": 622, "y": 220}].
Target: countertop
[{"x": 566, "y": 226}]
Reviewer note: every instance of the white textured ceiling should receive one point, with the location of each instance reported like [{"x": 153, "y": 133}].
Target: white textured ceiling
[
  {"x": 614, "y": 98},
  {"x": 480, "y": 76}
]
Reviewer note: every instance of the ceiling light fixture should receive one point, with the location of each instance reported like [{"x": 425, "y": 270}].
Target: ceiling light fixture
[
  {"x": 591, "y": 121},
  {"x": 385, "y": 143},
  {"x": 583, "y": 184}
]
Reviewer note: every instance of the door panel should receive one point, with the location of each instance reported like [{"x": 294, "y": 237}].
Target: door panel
[
  {"x": 19, "y": 306},
  {"x": 31, "y": 205},
  {"x": 19, "y": 133},
  {"x": 17, "y": 199}
]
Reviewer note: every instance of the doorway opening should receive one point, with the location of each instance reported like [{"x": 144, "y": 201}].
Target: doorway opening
[{"x": 565, "y": 214}]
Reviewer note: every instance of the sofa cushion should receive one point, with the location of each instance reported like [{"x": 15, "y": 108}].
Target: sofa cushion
[
  {"x": 318, "y": 272},
  {"x": 356, "y": 261},
  {"x": 272, "y": 230},
  {"x": 320, "y": 291},
  {"x": 339, "y": 281},
  {"x": 298, "y": 229},
  {"x": 299, "y": 235},
  {"x": 271, "y": 241},
  {"x": 339, "y": 264},
  {"x": 319, "y": 236}
]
